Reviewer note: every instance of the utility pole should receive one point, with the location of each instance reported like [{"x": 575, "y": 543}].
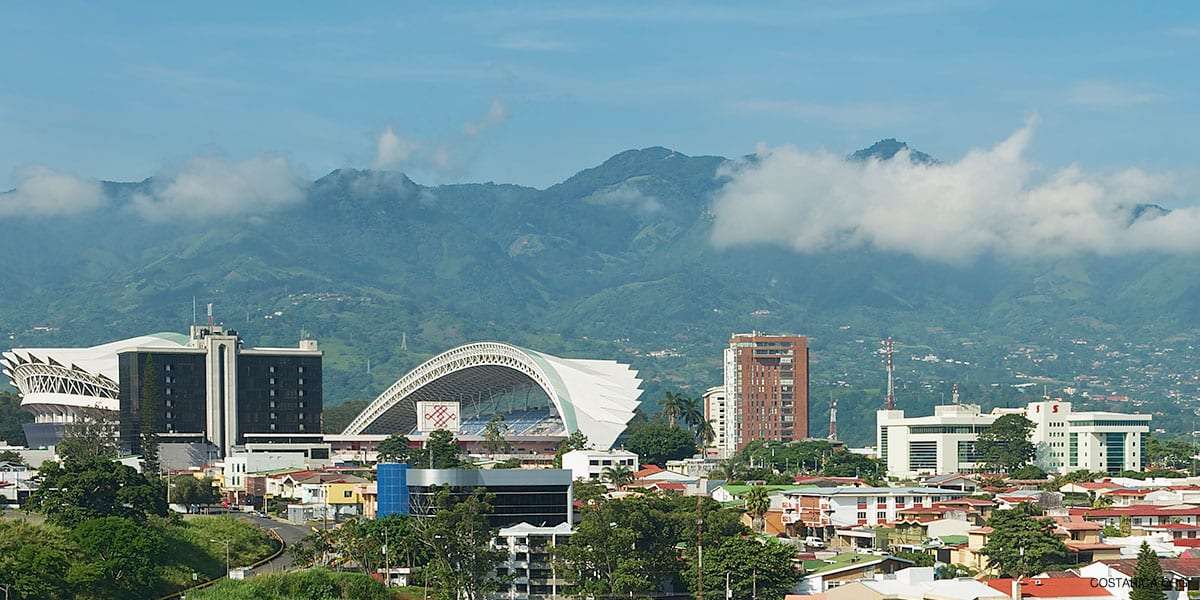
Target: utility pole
[{"x": 699, "y": 549}]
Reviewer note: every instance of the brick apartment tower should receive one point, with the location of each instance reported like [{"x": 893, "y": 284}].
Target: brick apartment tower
[{"x": 766, "y": 388}]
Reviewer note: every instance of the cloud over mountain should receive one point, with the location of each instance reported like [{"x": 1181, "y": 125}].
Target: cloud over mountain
[
  {"x": 992, "y": 200},
  {"x": 42, "y": 191},
  {"x": 213, "y": 186}
]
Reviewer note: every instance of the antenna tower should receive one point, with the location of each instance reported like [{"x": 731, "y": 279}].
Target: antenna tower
[
  {"x": 954, "y": 393},
  {"x": 832, "y": 417},
  {"x": 889, "y": 349}
]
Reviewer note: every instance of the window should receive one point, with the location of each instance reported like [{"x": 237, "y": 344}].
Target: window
[
  {"x": 881, "y": 516},
  {"x": 168, "y": 367},
  {"x": 300, "y": 393},
  {"x": 272, "y": 427},
  {"x": 301, "y": 426},
  {"x": 301, "y": 381},
  {"x": 271, "y": 369},
  {"x": 922, "y": 456},
  {"x": 272, "y": 393},
  {"x": 862, "y": 515},
  {"x": 300, "y": 369},
  {"x": 168, "y": 392},
  {"x": 272, "y": 381},
  {"x": 301, "y": 416},
  {"x": 273, "y": 415}
]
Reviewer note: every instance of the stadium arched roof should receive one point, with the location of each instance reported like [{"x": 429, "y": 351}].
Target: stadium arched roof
[
  {"x": 62, "y": 380},
  {"x": 596, "y": 397}
]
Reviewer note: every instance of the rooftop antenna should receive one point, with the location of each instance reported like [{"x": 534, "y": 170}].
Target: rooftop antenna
[
  {"x": 832, "y": 416},
  {"x": 193, "y": 310},
  {"x": 210, "y": 316},
  {"x": 888, "y": 349},
  {"x": 954, "y": 394}
]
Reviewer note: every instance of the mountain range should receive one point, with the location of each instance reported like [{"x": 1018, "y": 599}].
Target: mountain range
[{"x": 614, "y": 262}]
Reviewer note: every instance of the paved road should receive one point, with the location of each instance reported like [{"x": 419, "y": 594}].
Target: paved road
[{"x": 290, "y": 534}]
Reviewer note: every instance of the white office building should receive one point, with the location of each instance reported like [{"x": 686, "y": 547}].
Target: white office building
[
  {"x": 589, "y": 465},
  {"x": 1066, "y": 440},
  {"x": 718, "y": 412},
  {"x": 529, "y": 565}
]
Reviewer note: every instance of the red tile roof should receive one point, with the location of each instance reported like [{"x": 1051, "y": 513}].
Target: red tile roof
[
  {"x": 1081, "y": 526},
  {"x": 967, "y": 501},
  {"x": 1141, "y": 510},
  {"x": 1187, "y": 542},
  {"x": 669, "y": 486},
  {"x": 1128, "y": 492},
  {"x": 648, "y": 471},
  {"x": 1060, "y": 587},
  {"x": 1173, "y": 527},
  {"x": 1187, "y": 567}
]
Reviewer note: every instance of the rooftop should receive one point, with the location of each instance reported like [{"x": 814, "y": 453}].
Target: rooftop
[{"x": 1063, "y": 587}]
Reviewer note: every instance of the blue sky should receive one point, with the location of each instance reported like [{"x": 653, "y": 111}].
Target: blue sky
[{"x": 531, "y": 93}]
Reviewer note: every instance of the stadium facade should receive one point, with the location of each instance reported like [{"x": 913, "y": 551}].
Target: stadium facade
[{"x": 539, "y": 396}]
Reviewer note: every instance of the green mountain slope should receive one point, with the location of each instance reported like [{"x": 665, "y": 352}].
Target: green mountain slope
[{"x": 613, "y": 262}]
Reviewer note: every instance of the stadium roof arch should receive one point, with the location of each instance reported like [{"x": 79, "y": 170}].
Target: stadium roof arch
[
  {"x": 55, "y": 383},
  {"x": 595, "y": 397}
]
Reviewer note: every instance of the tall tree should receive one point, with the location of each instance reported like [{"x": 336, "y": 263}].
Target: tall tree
[
  {"x": 672, "y": 406},
  {"x": 758, "y": 502},
  {"x": 441, "y": 451},
  {"x": 395, "y": 449},
  {"x": 192, "y": 492},
  {"x": 12, "y": 417},
  {"x": 123, "y": 557},
  {"x": 1005, "y": 444},
  {"x": 458, "y": 539},
  {"x": 90, "y": 436},
  {"x": 151, "y": 405},
  {"x": 619, "y": 476},
  {"x": 753, "y": 568},
  {"x": 622, "y": 547},
  {"x": 1147, "y": 582},
  {"x": 82, "y": 489},
  {"x": 495, "y": 433},
  {"x": 657, "y": 443},
  {"x": 1021, "y": 545}
]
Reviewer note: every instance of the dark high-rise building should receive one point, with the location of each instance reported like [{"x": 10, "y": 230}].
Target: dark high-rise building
[
  {"x": 213, "y": 390},
  {"x": 766, "y": 389}
]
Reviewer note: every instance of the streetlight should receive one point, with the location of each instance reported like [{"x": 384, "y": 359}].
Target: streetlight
[{"x": 227, "y": 564}]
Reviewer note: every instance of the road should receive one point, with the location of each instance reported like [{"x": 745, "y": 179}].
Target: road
[{"x": 290, "y": 534}]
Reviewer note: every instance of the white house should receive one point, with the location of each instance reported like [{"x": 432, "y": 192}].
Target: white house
[
  {"x": 589, "y": 465},
  {"x": 240, "y": 465}
]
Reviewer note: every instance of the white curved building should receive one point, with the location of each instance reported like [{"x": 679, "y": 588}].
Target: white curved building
[
  {"x": 539, "y": 395},
  {"x": 59, "y": 384}
]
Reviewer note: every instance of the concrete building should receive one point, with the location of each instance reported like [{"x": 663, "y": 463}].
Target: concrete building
[
  {"x": 541, "y": 497},
  {"x": 240, "y": 466},
  {"x": 590, "y": 464},
  {"x": 529, "y": 565},
  {"x": 914, "y": 583},
  {"x": 1066, "y": 440},
  {"x": 766, "y": 390},
  {"x": 717, "y": 412},
  {"x": 825, "y": 509}
]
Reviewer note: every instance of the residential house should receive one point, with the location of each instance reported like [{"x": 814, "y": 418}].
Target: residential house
[
  {"x": 1183, "y": 573},
  {"x": 1066, "y": 588},
  {"x": 914, "y": 583},
  {"x": 825, "y": 509},
  {"x": 828, "y": 570}
]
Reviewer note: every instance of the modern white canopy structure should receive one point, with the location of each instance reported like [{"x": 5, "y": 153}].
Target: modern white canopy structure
[
  {"x": 58, "y": 384},
  {"x": 595, "y": 397}
]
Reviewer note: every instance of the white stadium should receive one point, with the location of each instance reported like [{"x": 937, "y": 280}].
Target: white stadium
[
  {"x": 538, "y": 395},
  {"x": 58, "y": 385}
]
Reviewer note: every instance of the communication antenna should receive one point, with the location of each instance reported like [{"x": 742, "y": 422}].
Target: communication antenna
[
  {"x": 193, "y": 310},
  {"x": 210, "y": 316},
  {"x": 889, "y": 349},
  {"x": 832, "y": 417},
  {"x": 954, "y": 394}
]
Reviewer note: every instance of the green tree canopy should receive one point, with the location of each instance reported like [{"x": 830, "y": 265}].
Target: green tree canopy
[
  {"x": 575, "y": 441},
  {"x": 458, "y": 542},
  {"x": 494, "y": 433},
  {"x": 1021, "y": 545},
  {"x": 190, "y": 491},
  {"x": 657, "y": 443},
  {"x": 441, "y": 451},
  {"x": 758, "y": 502},
  {"x": 78, "y": 490},
  {"x": 396, "y": 448},
  {"x": 123, "y": 557},
  {"x": 751, "y": 566},
  {"x": 1005, "y": 446}
]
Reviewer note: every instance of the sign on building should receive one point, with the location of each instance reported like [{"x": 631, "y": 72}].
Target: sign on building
[{"x": 438, "y": 415}]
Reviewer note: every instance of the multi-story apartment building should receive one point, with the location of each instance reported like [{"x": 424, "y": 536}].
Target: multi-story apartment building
[
  {"x": 1065, "y": 440},
  {"x": 529, "y": 567},
  {"x": 716, "y": 411},
  {"x": 766, "y": 390},
  {"x": 821, "y": 508}
]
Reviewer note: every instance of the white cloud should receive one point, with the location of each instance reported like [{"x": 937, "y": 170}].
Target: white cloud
[
  {"x": 395, "y": 151},
  {"x": 41, "y": 191},
  {"x": 497, "y": 114},
  {"x": 626, "y": 195},
  {"x": 392, "y": 150},
  {"x": 990, "y": 201},
  {"x": 1106, "y": 94},
  {"x": 212, "y": 186}
]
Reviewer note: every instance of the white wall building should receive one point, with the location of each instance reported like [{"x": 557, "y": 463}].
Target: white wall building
[
  {"x": 1065, "y": 440},
  {"x": 590, "y": 464},
  {"x": 851, "y": 506},
  {"x": 718, "y": 412},
  {"x": 240, "y": 465},
  {"x": 530, "y": 563}
]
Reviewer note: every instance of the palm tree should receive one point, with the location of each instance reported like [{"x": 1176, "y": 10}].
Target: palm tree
[
  {"x": 758, "y": 501},
  {"x": 692, "y": 412},
  {"x": 672, "y": 405},
  {"x": 619, "y": 476}
]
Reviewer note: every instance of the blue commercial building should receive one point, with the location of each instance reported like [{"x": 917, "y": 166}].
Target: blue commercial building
[
  {"x": 539, "y": 497},
  {"x": 392, "y": 486}
]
